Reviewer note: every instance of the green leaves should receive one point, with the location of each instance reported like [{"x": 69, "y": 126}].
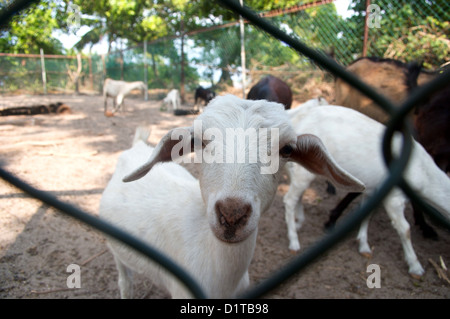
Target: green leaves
[
  {"x": 410, "y": 31},
  {"x": 32, "y": 30}
]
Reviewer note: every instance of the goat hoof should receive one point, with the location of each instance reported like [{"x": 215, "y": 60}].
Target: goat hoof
[
  {"x": 415, "y": 276},
  {"x": 331, "y": 189},
  {"x": 294, "y": 247},
  {"x": 366, "y": 254},
  {"x": 293, "y": 252}
]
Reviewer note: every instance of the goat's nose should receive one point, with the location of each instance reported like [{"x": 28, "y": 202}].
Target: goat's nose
[{"x": 233, "y": 212}]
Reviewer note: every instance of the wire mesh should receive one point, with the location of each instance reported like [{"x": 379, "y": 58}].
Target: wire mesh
[
  {"x": 408, "y": 31},
  {"x": 396, "y": 166},
  {"x": 23, "y": 74}
]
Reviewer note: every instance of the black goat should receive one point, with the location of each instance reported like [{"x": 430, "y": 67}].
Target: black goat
[{"x": 203, "y": 94}]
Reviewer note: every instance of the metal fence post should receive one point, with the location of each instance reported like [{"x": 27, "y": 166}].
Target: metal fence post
[
  {"x": 44, "y": 76},
  {"x": 91, "y": 77},
  {"x": 145, "y": 70},
  {"x": 104, "y": 74},
  {"x": 366, "y": 30},
  {"x": 241, "y": 23},
  {"x": 182, "y": 62}
]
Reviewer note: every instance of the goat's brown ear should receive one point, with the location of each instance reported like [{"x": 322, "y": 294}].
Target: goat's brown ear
[
  {"x": 173, "y": 145},
  {"x": 313, "y": 155}
]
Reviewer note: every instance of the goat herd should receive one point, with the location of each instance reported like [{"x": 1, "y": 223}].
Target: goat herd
[{"x": 209, "y": 225}]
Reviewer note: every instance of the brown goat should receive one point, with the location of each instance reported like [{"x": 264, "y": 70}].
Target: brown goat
[
  {"x": 432, "y": 125},
  {"x": 392, "y": 78},
  {"x": 272, "y": 89}
]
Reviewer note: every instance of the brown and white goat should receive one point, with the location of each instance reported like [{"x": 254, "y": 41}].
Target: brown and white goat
[{"x": 392, "y": 78}]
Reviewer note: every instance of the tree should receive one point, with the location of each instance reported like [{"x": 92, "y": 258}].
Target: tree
[
  {"x": 409, "y": 31},
  {"x": 31, "y": 30}
]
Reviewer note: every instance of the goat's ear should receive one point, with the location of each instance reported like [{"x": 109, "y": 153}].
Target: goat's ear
[
  {"x": 313, "y": 155},
  {"x": 173, "y": 145}
]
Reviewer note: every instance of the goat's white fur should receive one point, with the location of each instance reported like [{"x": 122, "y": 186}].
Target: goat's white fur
[
  {"x": 118, "y": 90},
  {"x": 313, "y": 102},
  {"x": 178, "y": 214},
  {"x": 173, "y": 99},
  {"x": 354, "y": 140}
]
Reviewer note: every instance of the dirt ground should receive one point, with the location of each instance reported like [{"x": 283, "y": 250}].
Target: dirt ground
[{"x": 73, "y": 156}]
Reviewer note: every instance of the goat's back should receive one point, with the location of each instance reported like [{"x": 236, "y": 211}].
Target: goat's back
[
  {"x": 389, "y": 77},
  {"x": 271, "y": 89},
  {"x": 355, "y": 141}
]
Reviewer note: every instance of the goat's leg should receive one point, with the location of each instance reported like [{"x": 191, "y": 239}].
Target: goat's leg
[
  {"x": 336, "y": 212},
  {"x": 292, "y": 202},
  {"x": 119, "y": 102},
  {"x": 331, "y": 189},
  {"x": 395, "y": 207},
  {"x": 125, "y": 280},
  {"x": 293, "y": 205},
  {"x": 364, "y": 248},
  {"x": 427, "y": 230},
  {"x": 114, "y": 104},
  {"x": 196, "y": 104},
  {"x": 362, "y": 237}
]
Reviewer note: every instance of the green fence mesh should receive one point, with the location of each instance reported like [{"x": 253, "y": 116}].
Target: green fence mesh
[
  {"x": 164, "y": 58},
  {"x": 405, "y": 30}
]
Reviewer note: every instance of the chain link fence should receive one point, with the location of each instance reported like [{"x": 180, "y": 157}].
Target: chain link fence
[
  {"x": 404, "y": 30},
  {"x": 24, "y": 73},
  {"x": 396, "y": 165}
]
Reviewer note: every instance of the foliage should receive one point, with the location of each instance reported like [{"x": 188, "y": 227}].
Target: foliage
[
  {"x": 32, "y": 30},
  {"x": 406, "y": 35}
]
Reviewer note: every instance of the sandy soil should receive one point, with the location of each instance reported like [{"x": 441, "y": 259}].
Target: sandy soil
[{"x": 73, "y": 156}]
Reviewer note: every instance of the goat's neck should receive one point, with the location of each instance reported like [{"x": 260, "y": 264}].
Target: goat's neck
[
  {"x": 134, "y": 85},
  {"x": 239, "y": 254},
  {"x": 227, "y": 262},
  {"x": 230, "y": 265}
]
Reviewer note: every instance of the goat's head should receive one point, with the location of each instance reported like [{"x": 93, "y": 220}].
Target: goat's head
[
  {"x": 142, "y": 86},
  {"x": 242, "y": 146}
]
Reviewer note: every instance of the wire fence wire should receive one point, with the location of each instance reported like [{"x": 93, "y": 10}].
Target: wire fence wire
[
  {"x": 396, "y": 167},
  {"x": 408, "y": 31}
]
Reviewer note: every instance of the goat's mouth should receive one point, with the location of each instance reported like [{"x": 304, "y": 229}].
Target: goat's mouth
[{"x": 231, "y": 235}]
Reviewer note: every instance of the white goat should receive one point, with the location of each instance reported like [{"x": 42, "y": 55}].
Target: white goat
[
  {"x": 313, "y": 102},
  {"x": 354, "y": 140},
  {"x": 208, "y": 226},
  {"x": 118, "y": 90},
  {"x": 173, "y": 99}
]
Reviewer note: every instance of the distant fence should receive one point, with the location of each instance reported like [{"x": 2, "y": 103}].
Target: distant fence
[
  {"x": 396, "y": 167},
  {"x": 405, "y": 30},
  {"x": 62, "y": 74}
]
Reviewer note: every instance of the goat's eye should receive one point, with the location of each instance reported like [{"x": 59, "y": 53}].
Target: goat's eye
[{"x": 286, "y": 150}]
